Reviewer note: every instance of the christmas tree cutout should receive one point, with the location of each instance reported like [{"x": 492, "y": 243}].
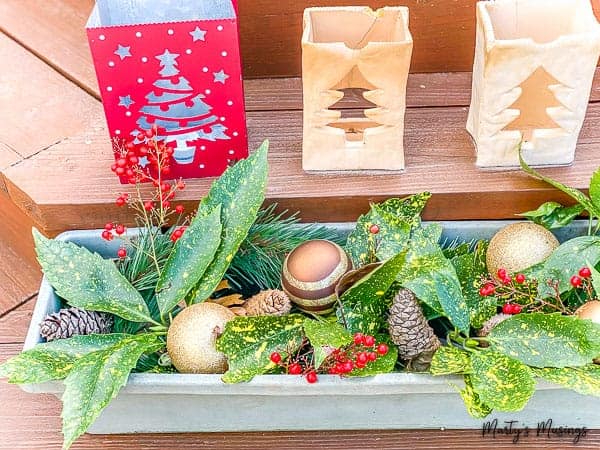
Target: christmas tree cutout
[
  {"x": 535, "y": 98},
  {"x": 179, "y": 112}
]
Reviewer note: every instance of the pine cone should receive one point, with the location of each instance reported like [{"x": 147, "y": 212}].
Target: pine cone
[
  {"x": 268, "y": 303},
  {"x": 410, "y": 331},
  {"x": 491, "y": 323},
  {"x": 75, "y": 321}
]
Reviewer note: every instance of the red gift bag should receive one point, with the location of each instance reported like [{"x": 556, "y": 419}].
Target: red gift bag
[{"x": 184, "y": 76}]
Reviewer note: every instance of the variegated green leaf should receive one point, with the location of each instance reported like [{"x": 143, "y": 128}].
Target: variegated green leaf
[
  {"x": 433, "y": 278},
  {"x": 188, "y": 260},
  {"x": 240, "y": 191},
  {"x": 577, "y": 195},
  {"x": 595, "y": 190},
  {"x": 475, "y": 407},
  {"x": 584, "y": 380},
  {"x": 324, "y": 338},
  {"x": 470, "y": 267},
  {"x": 97, "y": 378},
  {"x": 372, "y": 287},
  {"x": 249, "y": 341},
  {"x": 86, "y": 280},
  {"x": 565, "y": 261},
  {"x": 595, "y": 278},
  {"x": 450, "y": 360},
  {"x": 395, "y": 219},
  {"x": 362, "y": 318},
  {"x": 500, "y": 382},
  {"x": 552, "y": 215},
  {"x": 547, "y": 340},
  {"x": 54, "y": 360}
]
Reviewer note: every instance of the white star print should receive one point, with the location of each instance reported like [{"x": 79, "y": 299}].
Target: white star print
[
  {"x": 198, "y": 34},
  {"x": 220, "y": 77}
]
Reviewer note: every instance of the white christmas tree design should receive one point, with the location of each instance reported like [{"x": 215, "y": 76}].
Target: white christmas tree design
[{"x": 179, "y": 112}]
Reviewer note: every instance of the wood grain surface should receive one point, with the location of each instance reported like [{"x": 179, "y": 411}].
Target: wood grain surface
[
  {"x": 41, "y": 109},
  {"x": 439, "y": 155},
  {"x": 443, "y": 32}
]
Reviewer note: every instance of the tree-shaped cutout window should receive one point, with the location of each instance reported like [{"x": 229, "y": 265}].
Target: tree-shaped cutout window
[
  {"x": 352, "y": 111},
  {"x": 179, "y": 112},
  {"x": 536, "y": 100}
]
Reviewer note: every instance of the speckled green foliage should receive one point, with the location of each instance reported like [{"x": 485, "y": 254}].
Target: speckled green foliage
[
  {"x": 565, "y": 262},
  {"x": 502, "y": 383},
  {"x": 97, "y": 378},
  {"x": 54, "y": 360},
  {"x": 470, "y": 267},
  {"x": 547, "y": 340},
  {"x": 595, "y": 279},
  {"x": 189, "y": 260},
  {"x": 395, "y": 218},
  {"x": 86, "y": 280},
  {"x": 576, "y": 194},
  {"x": 365, "y": 303},
  {"x": 324, "y": 338},
  {"x": 372, "y": 287},
  {"x": 433, "y": 278},
  {"x": 450, "y": 360},
  {"x": 552, "y": 215},
  {"x": 475, "y": 407},
  {"x": 584, "y": 380},
  {"x": 240, "y": 191},
  {"x": 363, "y": 318},
  {"x": 249, "y": 341}
]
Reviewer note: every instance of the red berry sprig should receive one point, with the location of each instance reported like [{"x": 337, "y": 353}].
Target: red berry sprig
[{"x": 363, "y": 350}]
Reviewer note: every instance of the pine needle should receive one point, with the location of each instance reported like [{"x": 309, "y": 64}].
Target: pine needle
[{"x": 258, "y": 263}]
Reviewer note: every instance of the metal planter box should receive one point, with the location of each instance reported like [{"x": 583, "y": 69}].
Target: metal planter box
[{"x": 183, "y": 403}]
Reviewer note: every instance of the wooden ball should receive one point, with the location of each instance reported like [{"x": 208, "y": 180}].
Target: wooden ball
[{"x": 311, "y": 272}]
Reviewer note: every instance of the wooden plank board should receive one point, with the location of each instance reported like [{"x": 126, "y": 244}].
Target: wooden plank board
[
  {"x": 55, "y": 31},
  {"x": 443, "y": 31},
  {"x": 439, "y": 153},
  {"x": 32, "y": 422},
  {"x": 14, "y": 325},
  {"x": 40, "y": 107},
  {"x": 18, "y": 281},
  {"x": 423, "y": 90}
]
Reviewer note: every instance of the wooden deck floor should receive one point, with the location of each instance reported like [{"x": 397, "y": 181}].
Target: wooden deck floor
[{"x": 52, "y": 120}]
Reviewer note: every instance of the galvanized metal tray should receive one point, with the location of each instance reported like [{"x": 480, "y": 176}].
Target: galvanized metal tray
[{"x": 185, "y": 403}]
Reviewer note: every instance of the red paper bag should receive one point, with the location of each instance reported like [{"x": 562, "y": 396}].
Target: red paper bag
[{"x": 184, "y": 76}]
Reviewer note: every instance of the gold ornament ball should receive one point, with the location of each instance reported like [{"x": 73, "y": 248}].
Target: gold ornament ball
[
  {"x": 192, "y": 336},
  {"x": 589, "y": 310},
  {"x": 519, "y": 246},
  {"x": 311, "y": 272}
]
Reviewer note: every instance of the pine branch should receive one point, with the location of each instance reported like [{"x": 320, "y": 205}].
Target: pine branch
[
  {"x": 141, "y": 271},
  {"x": 258, "y": 263}
]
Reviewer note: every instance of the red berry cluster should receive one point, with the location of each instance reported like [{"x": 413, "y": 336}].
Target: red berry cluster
[
  {"x": 489, "y": 288},
  {"x": 512, "y": 308},
  {"x": 577, "y": 281},
  {"x": 177, "y": 233},
  {"x": 108, "y": 234},
  {"x": 363, "y": 350},
  {"x": 142, "y": 159},
  {"x": 359, "y": 354}
]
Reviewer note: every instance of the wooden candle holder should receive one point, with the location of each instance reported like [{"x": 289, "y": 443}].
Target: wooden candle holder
[
  {"x": 355, "y": 47},
  {"x": 533, "y": 71}
]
